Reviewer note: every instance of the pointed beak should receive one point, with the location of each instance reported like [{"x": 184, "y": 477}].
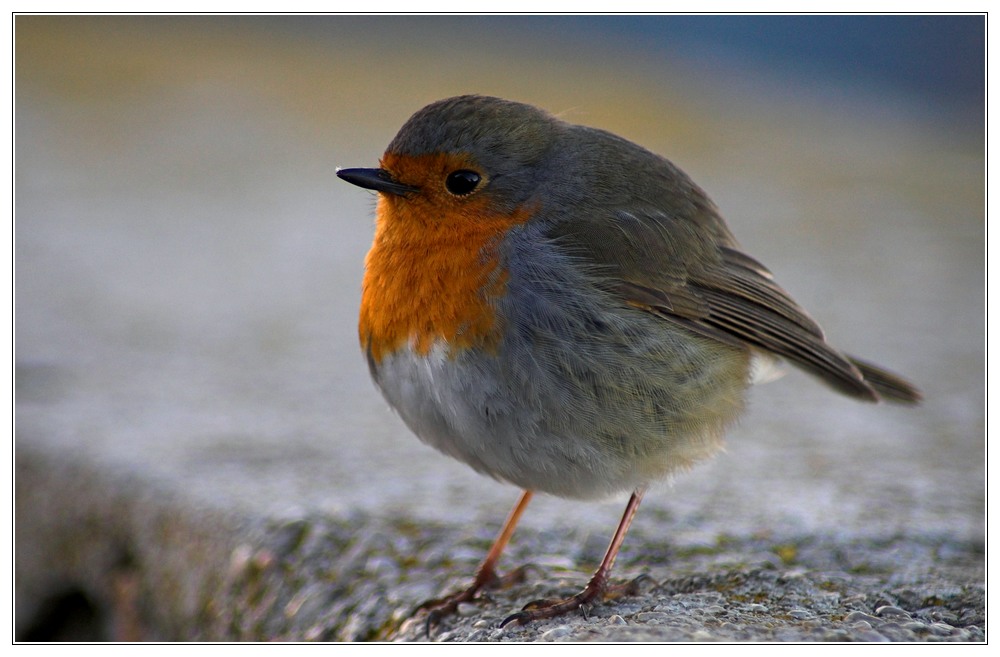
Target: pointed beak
[{"x": 377, "y": 179}]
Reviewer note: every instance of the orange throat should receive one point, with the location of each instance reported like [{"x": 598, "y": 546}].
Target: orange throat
[{"x": 432, "y": 279}]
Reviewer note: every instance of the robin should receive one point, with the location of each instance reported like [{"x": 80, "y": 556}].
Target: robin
[{"x": 563, "y": 310}]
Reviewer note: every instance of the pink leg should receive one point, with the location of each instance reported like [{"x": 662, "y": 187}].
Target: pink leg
[
  {"x": 486, "y": 575},
  {"x": 596, "y": 589}
]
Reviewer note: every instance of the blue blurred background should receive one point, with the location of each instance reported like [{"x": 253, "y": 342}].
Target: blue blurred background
[
  {"x": 937, "y": 60},
  {"x": 940, "y": 58}
]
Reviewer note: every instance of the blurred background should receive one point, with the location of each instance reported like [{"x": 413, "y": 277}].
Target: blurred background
[{"x": 188, "y": 266}]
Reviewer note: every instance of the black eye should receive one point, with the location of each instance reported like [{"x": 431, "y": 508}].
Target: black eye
[{"x": 462, "y": 182}]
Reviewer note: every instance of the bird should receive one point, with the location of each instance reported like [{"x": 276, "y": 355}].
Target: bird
[{"x": 566, "y": 311}]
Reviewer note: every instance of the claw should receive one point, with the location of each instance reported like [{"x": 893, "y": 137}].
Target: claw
[
  {"x": 433, "y": 618},
  {"x": 520, "y": 618}
]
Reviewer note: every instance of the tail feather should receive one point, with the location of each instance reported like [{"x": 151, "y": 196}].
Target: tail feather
[{"x": 890, "y": 387}]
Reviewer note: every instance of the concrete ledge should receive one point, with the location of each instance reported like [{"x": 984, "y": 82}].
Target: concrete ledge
[{"x": 104, "y": 555}]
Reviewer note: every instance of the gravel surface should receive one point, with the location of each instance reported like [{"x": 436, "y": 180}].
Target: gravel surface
[
  {"x": 774, "y": 588},
  {"x": 152, "y": 564}
]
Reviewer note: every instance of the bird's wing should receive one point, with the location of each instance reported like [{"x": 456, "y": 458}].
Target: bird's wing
[{"x": 694, "y": 275}]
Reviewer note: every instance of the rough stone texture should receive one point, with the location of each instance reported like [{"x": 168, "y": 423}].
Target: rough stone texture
[
  {"x": 145, "y": 566},
  {"x": 199, "y": 454},
  {"x": 822, "y": 588}
]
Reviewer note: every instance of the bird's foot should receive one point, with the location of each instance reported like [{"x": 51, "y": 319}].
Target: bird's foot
[
  {"x": 597, "y": 590},
  {"x": 440, "y": 608}
]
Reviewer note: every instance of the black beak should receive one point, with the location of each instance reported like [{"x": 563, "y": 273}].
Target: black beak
[{"x": 377, "y": 179}]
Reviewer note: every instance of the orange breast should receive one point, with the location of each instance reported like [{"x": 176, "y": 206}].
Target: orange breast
[{"x": 431, "y": 274}]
